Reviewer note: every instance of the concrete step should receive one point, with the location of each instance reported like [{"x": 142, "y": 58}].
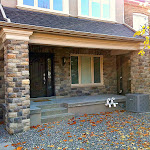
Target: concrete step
[
  {"x": 53, "y": 111},
  {"x": 56, "y": 117},
  {"x": 48, "y": 106}
]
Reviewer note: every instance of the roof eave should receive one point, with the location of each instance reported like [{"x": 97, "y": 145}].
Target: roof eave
[{"x": 67, "y": 32}]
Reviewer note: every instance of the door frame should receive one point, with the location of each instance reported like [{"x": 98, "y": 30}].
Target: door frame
[
  {"x": 123, "y": 61},
  {"x": 46, "y": 56}
]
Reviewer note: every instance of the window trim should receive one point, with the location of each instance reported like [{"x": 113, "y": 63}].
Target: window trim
[
  {"x": 50, "y": 10},
  {"x": 141, "y": 15},
  {"x": 92, "y": 71},
  {"x": 112, "y": 11}
]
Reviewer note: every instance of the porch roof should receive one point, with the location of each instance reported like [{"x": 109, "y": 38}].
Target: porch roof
[{"x": 67, "y": 23}]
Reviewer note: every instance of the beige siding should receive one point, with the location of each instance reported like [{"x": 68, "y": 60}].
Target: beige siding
[
  {"x": 120, "y": 11},
  {"x": 73, "y": 8},
  {"x": 9, "y": 3}
]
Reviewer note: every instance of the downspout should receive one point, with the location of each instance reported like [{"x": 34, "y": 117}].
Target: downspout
[{"x": 3, "y": 14}]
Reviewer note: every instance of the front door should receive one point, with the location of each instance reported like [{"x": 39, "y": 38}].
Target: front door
[
  {"x": 41, "y": 75},
  {"x": 123, "y": 74}
]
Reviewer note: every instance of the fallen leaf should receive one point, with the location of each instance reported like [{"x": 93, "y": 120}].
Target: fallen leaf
[
  {"x": 51, "y": 146},
  {"x": 69, "y": 136},
  {"x": 19, "y": 148},
  {"x": 65, "y": 140},
  {"x": 71, "y": 140}
]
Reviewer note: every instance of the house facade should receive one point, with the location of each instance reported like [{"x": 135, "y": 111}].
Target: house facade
[{"x": 66, "y": 48}]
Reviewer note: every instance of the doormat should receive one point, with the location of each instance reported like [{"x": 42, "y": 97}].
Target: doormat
[{"x": 42, "y": 100}]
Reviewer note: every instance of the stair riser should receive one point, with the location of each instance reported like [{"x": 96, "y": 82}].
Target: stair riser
[
  {"x": 56, "y": 119},
  {"x": 54, "y": 112},
  {"x": 50, "y": 106}
]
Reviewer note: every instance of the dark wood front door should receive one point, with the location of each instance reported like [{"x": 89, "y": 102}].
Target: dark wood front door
[
  {"x": 41, "y": 75},
  {"x": 123, "y": 74}
]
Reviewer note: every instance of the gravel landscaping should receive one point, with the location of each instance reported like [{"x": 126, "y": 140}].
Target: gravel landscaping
[{"x": 118, "y": 130}]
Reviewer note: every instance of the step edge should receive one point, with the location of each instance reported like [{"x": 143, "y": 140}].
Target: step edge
[{"x": 57, "y": 115}]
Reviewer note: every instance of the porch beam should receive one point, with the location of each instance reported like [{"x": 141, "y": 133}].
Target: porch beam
[
  {"x": 68, "y": 41},
  {"x": 118, "y": 52}
]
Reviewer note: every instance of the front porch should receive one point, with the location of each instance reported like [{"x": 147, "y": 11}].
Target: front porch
[{"x": 54, "y": 109}]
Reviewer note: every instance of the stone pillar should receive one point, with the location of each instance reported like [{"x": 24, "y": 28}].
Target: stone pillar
[
  {"x": 16, "y": 69},
  {"x": 140, "y": 72},
  {"x": 2, "y": 83}
]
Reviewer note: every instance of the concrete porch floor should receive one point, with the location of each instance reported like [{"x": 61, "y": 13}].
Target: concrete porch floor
[
  {"x": 59, "y": 108},
  {"x": 80, "y": 100}
]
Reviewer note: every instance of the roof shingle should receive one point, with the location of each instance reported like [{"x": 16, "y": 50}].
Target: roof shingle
[{"x": 67, "y": 23}]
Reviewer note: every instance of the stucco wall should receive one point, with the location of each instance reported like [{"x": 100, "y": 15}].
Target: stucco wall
[
  {"x": 73, "y": 7},
  {"x": 120, "y": 11},
  {"x": 9, "y": 3}
]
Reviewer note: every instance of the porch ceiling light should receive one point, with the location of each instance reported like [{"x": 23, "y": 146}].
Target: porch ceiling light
[{"x": 64, "y": 61}]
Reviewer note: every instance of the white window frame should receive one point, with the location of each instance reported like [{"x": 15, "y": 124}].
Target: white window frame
[
  {"x": 35, "y": 7},
  {"x": 92, "y": 71},
  {"x": 138, "y": 14},
  {"x": 112, "y": 10}
]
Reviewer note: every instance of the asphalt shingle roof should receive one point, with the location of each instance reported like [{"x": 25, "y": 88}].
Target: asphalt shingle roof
[{"x": 68, "y": 23}]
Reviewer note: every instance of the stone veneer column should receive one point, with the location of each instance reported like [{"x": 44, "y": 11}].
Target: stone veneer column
[
  {"x": 140, "y": 72},
  {"x": 17, "y": 91}
]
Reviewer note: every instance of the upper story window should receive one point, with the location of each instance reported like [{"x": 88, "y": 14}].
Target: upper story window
[
  {"x": 61, "y": 6},
  {"x": 139, "y": 20},
  {"x": 99, "y": 9}
]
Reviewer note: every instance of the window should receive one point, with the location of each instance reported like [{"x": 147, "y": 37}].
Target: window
[
  {"x": 139, "y": 20},
  {"x": 86, "y": 70},
  {"x": 47, "y": 5},
  {"x": 102, "y": 9}
]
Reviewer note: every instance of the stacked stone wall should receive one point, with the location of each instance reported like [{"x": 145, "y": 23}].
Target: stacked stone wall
[
  {"x": 17, "y": 96},
  {"x": 140, "y": 72},
  {"x": 63, "y": 76},
  {"x": 2, "y": 83}
]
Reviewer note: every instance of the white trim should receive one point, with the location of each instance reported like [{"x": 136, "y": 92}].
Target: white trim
[
  {"x": 92, "y": 71},
  {"x": 36, "y": 3},
  {"x": 139, "y": 21},
  {"x": 139, "y": 14},
  {"x": 112, "y": 10},
  {"x": 15, "y": 34},
  {"x": 65, "y": 6},
  {"x": 4, "y": 14}
]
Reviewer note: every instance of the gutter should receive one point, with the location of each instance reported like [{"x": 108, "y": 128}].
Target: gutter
[
  {"x": 58, "y": 31},
  {"x": 4, "y": 14}
]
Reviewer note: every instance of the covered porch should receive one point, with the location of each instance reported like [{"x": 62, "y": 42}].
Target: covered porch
[{"x": 117, "y": 69}]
